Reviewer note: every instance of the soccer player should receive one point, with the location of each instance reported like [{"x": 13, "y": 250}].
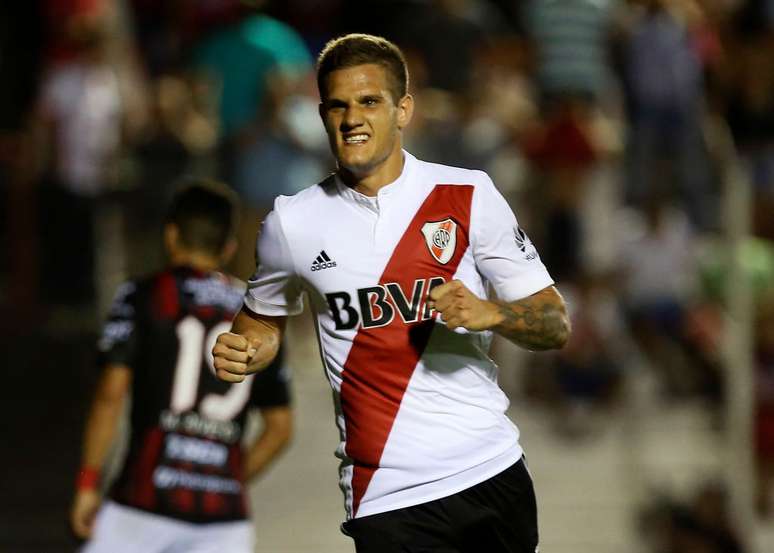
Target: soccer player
[
  {"x": 182, "y": 487},
  {"x": 409, "y": 267}
]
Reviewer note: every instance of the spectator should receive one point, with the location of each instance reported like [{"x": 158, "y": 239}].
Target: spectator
[
  {"x": 582, "y": 380},
  {"x": 449, "y": 63},
  {"x": 664, "y": 90},
  {"x": 241, "y": 58},
  {"x": 700, "y": 525},
  {"x": 179, "y": 139},
  {"x": 279, "y": 154},
  {"x": 749, "y": 102},
  {"x": 659, "y": 268},
  {"x": 79, "y": 125},
  {"x": 252, "y": 63},
  {"x": 569, "y": 40}
]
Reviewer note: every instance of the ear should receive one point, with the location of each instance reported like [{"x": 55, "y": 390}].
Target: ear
[
  {"x": 405, "y": 110},
  {"x": 229, "y": 249},
  {"x": 171, "y": 238}
]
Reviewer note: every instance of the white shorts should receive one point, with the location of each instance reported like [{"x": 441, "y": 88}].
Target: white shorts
[{"x": 119, "y": 529}]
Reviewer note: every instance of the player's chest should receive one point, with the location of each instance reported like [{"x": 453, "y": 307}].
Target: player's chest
[{"x": 400, "y": 248}]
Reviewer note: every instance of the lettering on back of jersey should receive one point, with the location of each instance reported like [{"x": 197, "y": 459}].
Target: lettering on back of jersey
[
  {"x": 441, "y": 239},
  {"x": 166, "y": 478},
  {"x": 188, "y": 449},
  {"x": 212, "y": 292},
  {"x": 377, "y": 305},
  {"x": 194, "y": 424}
]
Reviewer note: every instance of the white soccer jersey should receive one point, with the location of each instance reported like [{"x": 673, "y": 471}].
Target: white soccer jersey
[{"x": 419, "y": 410}]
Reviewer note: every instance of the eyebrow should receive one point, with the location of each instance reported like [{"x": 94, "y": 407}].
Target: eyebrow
[
  {"x": 338, "y": 102},
  {"x": 334, "y": 103}
]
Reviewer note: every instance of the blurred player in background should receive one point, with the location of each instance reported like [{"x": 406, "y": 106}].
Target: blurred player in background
[
  {"x": 400, "y": 258},
  {"x": 182, "y": 487}
]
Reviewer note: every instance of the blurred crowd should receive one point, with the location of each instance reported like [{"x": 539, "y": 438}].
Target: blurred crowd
[
  {"x": 610, "y": 126},
  {"x": 699, "y": 524}
]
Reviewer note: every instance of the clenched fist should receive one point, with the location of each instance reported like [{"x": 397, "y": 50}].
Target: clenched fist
[
  {"x": 234, "y": 356},
  {"x": 460, "y": 307}
]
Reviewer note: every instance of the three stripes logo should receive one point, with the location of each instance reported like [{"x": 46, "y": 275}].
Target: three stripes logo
[{"x": 322, "y": 262}]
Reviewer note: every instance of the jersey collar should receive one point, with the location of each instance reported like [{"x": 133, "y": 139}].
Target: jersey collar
[{"x": 372, "y": 202}]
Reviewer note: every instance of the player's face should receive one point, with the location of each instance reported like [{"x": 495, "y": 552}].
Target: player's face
[{"x": 362, "y": 119}]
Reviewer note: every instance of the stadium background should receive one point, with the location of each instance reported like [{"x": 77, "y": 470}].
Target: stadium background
[{"x": 634, "y": 139}]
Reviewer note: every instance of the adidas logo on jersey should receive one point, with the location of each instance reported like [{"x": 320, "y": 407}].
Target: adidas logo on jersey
[{"x": 322, "y": 262}]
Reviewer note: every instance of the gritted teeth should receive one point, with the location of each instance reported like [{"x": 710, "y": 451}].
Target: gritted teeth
[{"x": 356, "y": 138}]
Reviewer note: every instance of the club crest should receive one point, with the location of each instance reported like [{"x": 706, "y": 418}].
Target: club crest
[{"x": 441, "y": 239}]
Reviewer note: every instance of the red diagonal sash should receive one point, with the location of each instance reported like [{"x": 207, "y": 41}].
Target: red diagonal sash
[{"x": 382, "y": 360}]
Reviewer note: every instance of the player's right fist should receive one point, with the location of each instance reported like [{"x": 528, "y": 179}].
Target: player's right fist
[{"x": 232, "y": 354}]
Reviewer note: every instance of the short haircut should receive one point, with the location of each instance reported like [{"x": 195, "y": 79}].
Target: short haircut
[
  {"x": 204, "y": 211},
  {"x": 360, "y": 49}
]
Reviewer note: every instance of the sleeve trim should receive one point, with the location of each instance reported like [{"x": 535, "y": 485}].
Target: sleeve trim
[
  {"x": 524, "y": 287},
  {"x": 260, "y": 307}
]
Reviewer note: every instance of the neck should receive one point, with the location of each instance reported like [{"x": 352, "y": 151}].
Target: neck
[
  {"x": 196, "y": 260},
  {"x": 370, "y": 183}
]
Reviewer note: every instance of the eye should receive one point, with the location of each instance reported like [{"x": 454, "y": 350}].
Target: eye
[{"x": 335, "y": 106}]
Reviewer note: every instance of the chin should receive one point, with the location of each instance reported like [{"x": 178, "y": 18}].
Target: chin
[{"x": 356, "y": 164}]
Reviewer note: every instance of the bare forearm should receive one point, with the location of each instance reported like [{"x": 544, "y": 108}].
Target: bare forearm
[
  {"x": 272, "y": 441},
  {"x": 106, "y": 410},
  {"x": 100, "y": 432},
  {"x": 266, "y": 331},
  {"x": 266, "y": 449},
  {"x": 538, "y": 322}
]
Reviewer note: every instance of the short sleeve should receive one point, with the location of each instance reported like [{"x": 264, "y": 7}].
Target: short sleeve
[
  {"x": 118, "y": 341},
  {"x": 274, "y": 289},
  {"x": 503, "y": 253},
  {"x": 271, "y": 386}
]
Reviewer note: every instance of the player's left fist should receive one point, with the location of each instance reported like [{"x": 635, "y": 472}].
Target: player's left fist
[{"x": 459, "y": 307}]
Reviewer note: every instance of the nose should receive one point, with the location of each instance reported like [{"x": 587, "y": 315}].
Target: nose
[{"x": 353, "y": 118}]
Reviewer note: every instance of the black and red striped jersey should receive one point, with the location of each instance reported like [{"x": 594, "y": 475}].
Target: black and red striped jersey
[{"x": 185, "y": 455}]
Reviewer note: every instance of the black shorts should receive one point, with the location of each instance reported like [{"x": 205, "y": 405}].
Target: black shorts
[{"x": 498, "y": 515}]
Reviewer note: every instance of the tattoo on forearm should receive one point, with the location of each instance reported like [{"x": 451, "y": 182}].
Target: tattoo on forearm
[{"x": 537, "y": 323}]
